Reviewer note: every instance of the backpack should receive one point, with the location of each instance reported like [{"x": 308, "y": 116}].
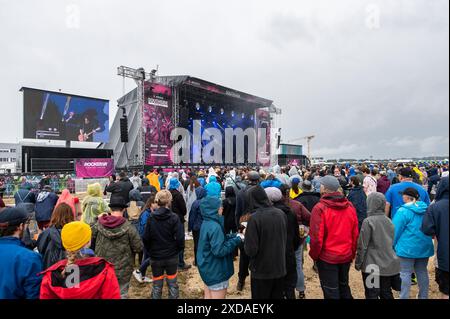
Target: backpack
[{"x": 134, "y": 211}]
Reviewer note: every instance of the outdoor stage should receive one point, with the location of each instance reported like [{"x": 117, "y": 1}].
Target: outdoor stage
[{"x": 157, "y": 107}]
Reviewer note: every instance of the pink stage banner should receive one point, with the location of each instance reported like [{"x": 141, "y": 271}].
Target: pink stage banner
[{"x": 94, "y": 167}]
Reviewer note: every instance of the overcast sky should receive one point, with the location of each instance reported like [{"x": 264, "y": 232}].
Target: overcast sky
[{"x": 368, "y": 78}]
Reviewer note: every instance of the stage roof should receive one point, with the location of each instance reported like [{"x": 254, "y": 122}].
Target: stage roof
[{"x": 188, "y": 81}]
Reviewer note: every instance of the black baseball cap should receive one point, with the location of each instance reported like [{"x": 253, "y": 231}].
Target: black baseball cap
[
  {"x": 13, "y": 216},
  {"x": 406, "y": 172},
  {"x": 411, "y": 192}
]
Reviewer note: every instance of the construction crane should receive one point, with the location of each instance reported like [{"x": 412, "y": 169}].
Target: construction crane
[{"x": 308, "y": 141}]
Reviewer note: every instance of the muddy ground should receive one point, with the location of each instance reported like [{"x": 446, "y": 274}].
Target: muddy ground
[{"x": 191, "y": 285}]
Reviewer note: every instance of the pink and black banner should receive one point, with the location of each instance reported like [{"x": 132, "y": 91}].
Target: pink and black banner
[
  {"x": 158, "y": 124},
  {"x": 94, "y": 167}
]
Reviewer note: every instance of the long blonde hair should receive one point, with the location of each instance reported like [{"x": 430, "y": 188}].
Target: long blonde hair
[{"x": 72, "y": 256}]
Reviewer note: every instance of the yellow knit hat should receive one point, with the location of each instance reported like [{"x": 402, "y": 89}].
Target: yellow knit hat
[{"x": 75, "y": 235}]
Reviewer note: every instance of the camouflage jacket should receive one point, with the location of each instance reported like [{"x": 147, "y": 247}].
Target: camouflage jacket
[{"x": 118, "y": 244}]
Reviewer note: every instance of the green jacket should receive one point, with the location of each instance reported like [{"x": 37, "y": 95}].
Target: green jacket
[{"x": 116, "y": 240}]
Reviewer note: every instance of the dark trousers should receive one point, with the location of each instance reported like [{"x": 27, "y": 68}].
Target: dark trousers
[
  {"x": 165, "y": 269},
  {"x": 384, "y": 291},
  {"x": 244, "y": 263},
  {"x": 267, "y": 288},
  {"x": 181, "y": 262},
  {"x": 196, "y": 234},
  {"x": 290, "y": 282},
  {"x": 334, "y": 280}
]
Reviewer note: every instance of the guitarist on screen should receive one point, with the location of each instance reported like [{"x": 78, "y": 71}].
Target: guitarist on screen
[{"x": 88, "y": 128}]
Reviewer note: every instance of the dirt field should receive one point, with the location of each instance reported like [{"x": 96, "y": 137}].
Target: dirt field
[{"x": 191, "y": 285}]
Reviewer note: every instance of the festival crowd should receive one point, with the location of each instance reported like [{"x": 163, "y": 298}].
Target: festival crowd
[{"x": 387, "y": 221}]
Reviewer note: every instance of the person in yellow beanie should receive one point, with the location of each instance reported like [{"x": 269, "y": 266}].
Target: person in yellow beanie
[{"x": 81, "y": 275}]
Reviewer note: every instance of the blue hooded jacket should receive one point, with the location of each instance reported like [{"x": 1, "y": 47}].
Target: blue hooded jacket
[
  {"x": 195, "y": 216},
  {"x": 213, "y": 188},
  {"x": 435, "y": 223},
  {"x": 215, "y": 250},
  {"x": 410, "y": 241},
  {"x": 271, "y": 183},
  {"x": 174, "y": 183},
  {"x": 19, "y": 270}
]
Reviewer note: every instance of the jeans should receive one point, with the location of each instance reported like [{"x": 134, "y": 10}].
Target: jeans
[
  {"x": 267, "y": 288},
  {"x": 165, "y": 269},
  {"x": 334, "y": 280},
  {"x": 419, "y": 266},
  {"x": 384, "y": 291},
  {"x": 145, "y": 263},
  {"x": 300, "y": 276}
]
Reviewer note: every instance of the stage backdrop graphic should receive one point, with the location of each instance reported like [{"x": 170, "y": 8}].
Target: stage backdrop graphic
[
  {"x": 58, "y": 116},
  {"x": 94, "y": 167},
  {"x": 158, "y": 124},
  {"x": 263, "y": 121}
]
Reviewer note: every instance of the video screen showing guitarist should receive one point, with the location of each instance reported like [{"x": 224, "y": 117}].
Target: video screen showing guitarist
[{"x": 89, "y": 126}]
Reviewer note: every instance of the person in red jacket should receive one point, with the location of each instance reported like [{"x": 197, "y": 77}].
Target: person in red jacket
[
  {"x": 334, "y": 237},
  {"x": 78, "y": 276}
]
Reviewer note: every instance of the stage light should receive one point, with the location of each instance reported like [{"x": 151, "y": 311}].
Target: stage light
[
  {"x": 232, "y": 113},
  {"x": 222, "y": 111},
  {"x": 209, "y": 109},
  {"x": 243, "y": 115},
  {"x": 197, "y": 106},
  {"x": 252, "y": 117}
]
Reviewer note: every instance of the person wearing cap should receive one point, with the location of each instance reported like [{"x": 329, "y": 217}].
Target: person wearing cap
[
  {"x": 265, "y": 244},
  {"x": 164, "y": 240},
  {"x": 95, "y": 278},
  {"x": 435, "y": 223},
  {"x": 308, "y": 198},
  {"x": 45, "y": 204},
  {"x": 334, "y": 236},
  {"x": 412, "y": 246},
  {"x": 117, "y": 240},
  {"x": 394, "y": 195},
  {"x": 19, "y": 266},
  {"x": 243, "y": 208},
  {"x": 275, "y": 195},
  {"x": 295, "y": 191},
  {"x": 215, "y": 249}
]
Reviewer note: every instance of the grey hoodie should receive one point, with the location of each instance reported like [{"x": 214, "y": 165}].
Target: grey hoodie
[{"x": 375, "y": 244}]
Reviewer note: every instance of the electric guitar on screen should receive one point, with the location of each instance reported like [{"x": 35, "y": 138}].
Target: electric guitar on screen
[{"x": 83, "y": 137}]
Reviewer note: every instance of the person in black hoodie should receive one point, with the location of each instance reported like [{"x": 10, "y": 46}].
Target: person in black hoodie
[
  {"x": 49, "y": 242},
  {"x": 120, "y": 189},
  {"x": 292, "y": 240},
  {"x": 265, "y": 244},
  {"x": 243, "y": 207},
  {"x": 164, "y": 240},
  {"x": 435, "y": 223},
  {"x": 229, "y": 210},
  {"x": 179, "y": 208},
  {"x": 308, "y": 198},
  {"x": 358, "y": 198}
]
